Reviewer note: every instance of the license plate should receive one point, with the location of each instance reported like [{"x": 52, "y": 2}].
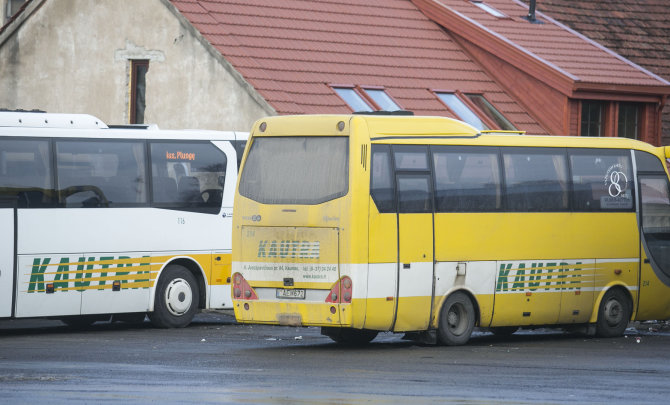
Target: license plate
[{"x": 293, "y": 293}]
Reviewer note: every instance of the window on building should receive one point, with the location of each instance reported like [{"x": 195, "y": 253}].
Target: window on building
[
  {"x": 494, "y": 12},
  {"x": 138, "y": 87},
  {"x": 629, "y": 118},
  {"x": 592, "y": 118},
  {"x": 462, "y": 111},
  {"x": 491, "y": 112},
  {"x": 11, "y": 7},
  {"x": 383, "y": 100},
  {"x": 352, "y": 98},
  {"x": 361, "y": 99}
]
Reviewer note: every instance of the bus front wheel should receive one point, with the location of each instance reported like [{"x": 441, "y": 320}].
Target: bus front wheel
[
  {"x": 176, "y": 298},
  {"x": 457, "y": 320},
  {"x": 613, "y": 314}
]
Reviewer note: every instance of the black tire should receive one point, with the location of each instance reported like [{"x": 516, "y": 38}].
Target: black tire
[
  {"x": 457, "y": 320},
  {"x": 349, "y": 336},
  {"x": 613, "y": 314},
  {"x": 176, "y": 300},
  {"x": 504, "y": 331}
]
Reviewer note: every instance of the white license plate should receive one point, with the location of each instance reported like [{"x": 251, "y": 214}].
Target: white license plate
[{"x": 293, "y": 293}]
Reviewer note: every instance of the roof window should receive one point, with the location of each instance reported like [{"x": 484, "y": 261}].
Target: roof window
[
  {"x": 491, "y": 112},
  {"x": 366, "y": 99},
  {"x": 461, "y": 110},
  {"x": 489, "y": 9}
]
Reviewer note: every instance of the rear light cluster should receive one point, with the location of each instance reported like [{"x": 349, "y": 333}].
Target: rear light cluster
[
  {"x": 341, "y": 292},
  {"x": 241, "y": 288}
]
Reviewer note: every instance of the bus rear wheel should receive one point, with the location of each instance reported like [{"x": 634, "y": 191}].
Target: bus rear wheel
[
  {"x": 176, "y": 299},
  {"x": 613, "y": 314},
  {"x": 349, "y": 336},
  {"x": 457, "y": 320}
]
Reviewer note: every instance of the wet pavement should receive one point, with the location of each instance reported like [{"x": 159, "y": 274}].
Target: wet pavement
[{"x": 215, "y": 360}]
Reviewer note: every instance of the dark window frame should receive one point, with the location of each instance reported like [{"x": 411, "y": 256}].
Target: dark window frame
[
  {"x": 381, "y": 203},
  {"x": 146, "y": 168},
  {"x": 50, "y": 167},
  {"x": 468, "y": 149},
  {"x": 535, "y": 151},
  {"x": 565, "y": 152},
  {"x": 202, "y": 208},
  {"x": 138, "y": 86},
  {"x": 604, "y": 152},
  {"x": 585, "y": 123},
  {"x": 623, "y": 113}
]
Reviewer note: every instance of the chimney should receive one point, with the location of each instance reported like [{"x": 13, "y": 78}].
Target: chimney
[{"x": 531, "y": 13}]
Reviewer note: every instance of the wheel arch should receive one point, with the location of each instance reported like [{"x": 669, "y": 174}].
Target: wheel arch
[
  {"x": 618, "y": 286},
  {"x": 192, "y": 266},
  {"x": 444, "y": 297}
]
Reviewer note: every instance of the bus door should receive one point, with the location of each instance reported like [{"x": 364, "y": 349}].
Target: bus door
[
  {"x": 415, "y": 238},
  {"x": 654, "y": 302},
  {"x": 7, "y": 233}
]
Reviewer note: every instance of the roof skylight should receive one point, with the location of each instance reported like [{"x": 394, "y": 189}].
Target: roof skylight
[{"x": 489, "y": 9}]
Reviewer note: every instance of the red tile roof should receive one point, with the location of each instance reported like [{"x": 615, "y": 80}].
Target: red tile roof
[
  {"x": 569, "y": 54},
  {"x": 292, "y": 50},
  {"x": 639, "y": 30}
]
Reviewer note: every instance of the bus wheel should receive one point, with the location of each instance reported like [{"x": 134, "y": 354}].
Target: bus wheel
[
  {"x": 349, "y": 336},
  {"x": 613, "y": 314},
  {"x": 176, "y": 298},
  {"x": 457, "y": 320}
]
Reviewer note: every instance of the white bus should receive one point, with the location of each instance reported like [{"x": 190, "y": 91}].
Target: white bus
[{"x": 99, "y": 221}]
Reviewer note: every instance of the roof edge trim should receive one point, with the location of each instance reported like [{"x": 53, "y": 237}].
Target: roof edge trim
[{"x": 221, "y": 59}]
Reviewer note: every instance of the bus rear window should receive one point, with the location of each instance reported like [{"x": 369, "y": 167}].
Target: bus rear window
[{"x": 295, "y": 170}]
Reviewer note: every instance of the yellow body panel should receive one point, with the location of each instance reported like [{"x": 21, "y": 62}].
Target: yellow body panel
[{"x": 404, "y": 266}]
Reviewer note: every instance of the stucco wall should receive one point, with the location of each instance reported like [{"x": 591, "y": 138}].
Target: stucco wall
[{"x": 72, "y": 56}]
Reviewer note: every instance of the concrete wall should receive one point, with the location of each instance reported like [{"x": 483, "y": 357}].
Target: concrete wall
[{"x": 73, "y": 56}]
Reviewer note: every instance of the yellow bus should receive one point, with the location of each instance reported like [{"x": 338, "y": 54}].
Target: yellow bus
[{"x": 368, "y": 223}]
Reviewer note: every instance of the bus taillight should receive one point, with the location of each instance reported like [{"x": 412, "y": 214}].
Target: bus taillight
[
  {"x": 341, "y": 291},
  {"x": 241, "y": 288}
]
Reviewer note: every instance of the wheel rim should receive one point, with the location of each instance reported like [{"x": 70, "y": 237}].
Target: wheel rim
[
  {"x": 613, "y": 312},
  {"x": 178, "y": 296},
  {"x": 457, "y": 319}
]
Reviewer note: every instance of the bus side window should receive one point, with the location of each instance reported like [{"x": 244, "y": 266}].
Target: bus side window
[
  {"x": 467, "y": 179},
  {"x": 25, "y": 173},
  {"x": 536, "y": 179},
  {"x": 101, "y": 173},
  {"x": 381, "y": 182},
  {"x": 602, "y": 180},
  {"x": 187, "y": 176},
  {"x": 414, "y": 194}
]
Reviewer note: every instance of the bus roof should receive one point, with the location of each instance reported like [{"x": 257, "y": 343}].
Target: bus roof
[
  {"x": 427, "y": 129},
  {"x": 37, "y": 124},
  {"x": 38, "y": 119}
]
